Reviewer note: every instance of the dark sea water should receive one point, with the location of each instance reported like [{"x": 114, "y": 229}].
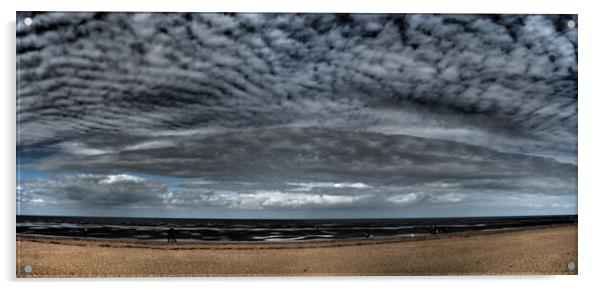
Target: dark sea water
[{"x": 204, "y": 230}]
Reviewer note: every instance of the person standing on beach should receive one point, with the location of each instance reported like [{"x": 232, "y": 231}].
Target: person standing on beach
[
  {"x": 434, "y": 230},
  {"x": 171, "y": 235}
]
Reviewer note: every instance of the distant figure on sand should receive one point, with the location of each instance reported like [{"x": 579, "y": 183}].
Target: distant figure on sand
[
  {"x": 171, "y": 235},
  {"x": 434, "y": 230}
]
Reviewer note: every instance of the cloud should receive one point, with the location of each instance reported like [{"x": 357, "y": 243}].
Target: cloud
[
  {"x": 92, "y": 190},
  {"x": 449, "y": 197},
  {"x": 123, "y": 190},
  {"x": 304, "y": 111},
  {"x": 510, "y": 79},
  {"x": 343, "y": 160},
  {"x": 300, "y": 168},
  {"x": 121, "y": 178},
  {"x": 307, "y": 186},
  {"x": 109, "y": 192},
  {"x": 406, "y": 199},
  {"x": 261, "y": 200}
]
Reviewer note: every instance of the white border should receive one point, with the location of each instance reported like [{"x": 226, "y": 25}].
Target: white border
[{"x": 589, "y": 139}]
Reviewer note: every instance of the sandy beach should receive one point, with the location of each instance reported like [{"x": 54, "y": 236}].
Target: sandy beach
[{"x": 518, "y": 252}]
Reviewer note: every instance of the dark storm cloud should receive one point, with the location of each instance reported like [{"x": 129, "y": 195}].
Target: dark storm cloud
[
  {"x": 507, "y": 81},
  {"x": 304, "y": 169},
  {"x": 92, "y": 190},
  {"x": 299, "y": 111},
  {"x": 315, "y": 168},
  {"x": 317, "y": 155}
]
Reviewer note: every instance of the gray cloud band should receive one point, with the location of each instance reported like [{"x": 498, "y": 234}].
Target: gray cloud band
[{"x": 315, "y": 155}]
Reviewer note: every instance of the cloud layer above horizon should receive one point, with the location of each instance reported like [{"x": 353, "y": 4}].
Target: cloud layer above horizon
[{"x": 423, "y": 114}]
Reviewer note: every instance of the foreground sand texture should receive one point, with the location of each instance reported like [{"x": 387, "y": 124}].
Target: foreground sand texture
[{"x": 532, "y": 251}]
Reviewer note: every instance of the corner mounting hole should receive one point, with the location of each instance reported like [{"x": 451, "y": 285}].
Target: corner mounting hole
[
  {"x": 571, "y": 23},
  {"x": 571, "y": 266},
  {"x": 27, "y": 269}
]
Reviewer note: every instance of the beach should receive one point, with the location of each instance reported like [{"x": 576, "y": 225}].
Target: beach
[{"x": 537, "y": 250}]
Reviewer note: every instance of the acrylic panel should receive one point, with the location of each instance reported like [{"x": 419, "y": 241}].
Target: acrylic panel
[{"x": 305, "y": 144}]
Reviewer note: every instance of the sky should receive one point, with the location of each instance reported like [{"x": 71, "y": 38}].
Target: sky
[{"x": 226, "y": 115}]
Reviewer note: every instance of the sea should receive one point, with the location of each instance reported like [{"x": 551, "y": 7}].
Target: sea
[{"x": 256, "y": 230}]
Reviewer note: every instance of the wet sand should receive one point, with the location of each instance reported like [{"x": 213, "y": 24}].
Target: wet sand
[{"x": 517, "y": 252}]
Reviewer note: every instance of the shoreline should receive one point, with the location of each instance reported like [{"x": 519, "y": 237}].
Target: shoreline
[
  {"x": 202, "y": 244},
  {"x": 531, "y": 250}
]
